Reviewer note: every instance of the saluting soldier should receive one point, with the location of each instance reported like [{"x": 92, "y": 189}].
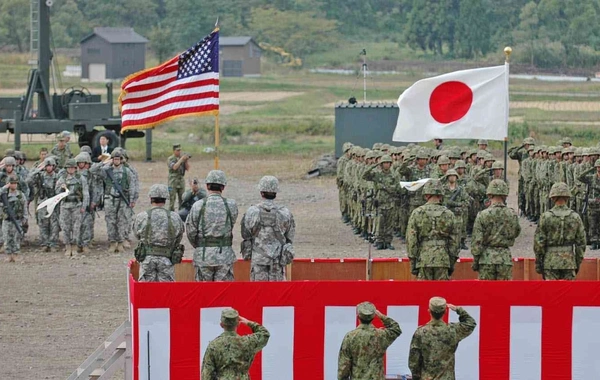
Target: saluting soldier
[
  {"x": 178, "y": 164},
  {"x": 42, "y": 179},
  {"x": 17, "y": 202}
]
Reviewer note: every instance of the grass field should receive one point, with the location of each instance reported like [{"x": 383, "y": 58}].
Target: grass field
[{"x": 291, "y": 112}]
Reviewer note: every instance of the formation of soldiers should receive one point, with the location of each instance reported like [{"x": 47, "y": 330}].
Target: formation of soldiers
[{"x": 466, "y": 197}]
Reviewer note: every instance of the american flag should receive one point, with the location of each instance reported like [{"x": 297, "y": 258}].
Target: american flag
[{"x": 185, "y": 85}]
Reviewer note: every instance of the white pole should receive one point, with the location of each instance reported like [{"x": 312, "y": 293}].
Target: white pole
[{"x": 364, "y": 78}]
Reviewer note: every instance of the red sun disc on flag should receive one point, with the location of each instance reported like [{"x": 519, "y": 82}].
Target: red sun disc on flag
[{"x": 450, "y": 101}]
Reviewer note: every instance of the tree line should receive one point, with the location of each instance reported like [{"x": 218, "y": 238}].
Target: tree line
[{"x": 552, "y": 33}]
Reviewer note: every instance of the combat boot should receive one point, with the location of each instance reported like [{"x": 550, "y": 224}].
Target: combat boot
[
  {"x": 68, "y": 250},
  {"x": 74, "y": 250},
  {"x": 120, "y": 248},
  {"x": 390, "y": 246},
  {"x": 127, "y": 244},
  {"x": 380, "y": 246},
  {"x": 46, "y": 249},
  {"x": 463, "y": 245},
  {"x": 85, "y": 250},
  {"x": 113, "y": 247}
]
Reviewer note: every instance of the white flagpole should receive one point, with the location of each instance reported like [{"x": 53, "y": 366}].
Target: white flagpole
[{"x": 507, "y": 53}]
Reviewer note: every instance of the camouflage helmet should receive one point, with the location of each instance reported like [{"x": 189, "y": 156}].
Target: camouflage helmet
[
  {"x": 433, "y": 187},
  {"x": 83, "y": 157},
  {"x": 529, "y": 141},
  {"x": 597, "y": 163},
  {"x": 454, "y": 153},
  {"x": 369, "y": 154},
  {"x": 460, "y": 164},
  {"x": 86, "y": 149},
  {"x": 70, "y": 163},
  {"x": 498, "y": 165},
  {"x": 268, "y": 184},
  {"x": 594, "y": 151},
  {"x": 489, "y": 157},
  {"x": 497, "y": 187},
  {"x": 443, "y": 160},
  {"x": 482, "y": 142},
  {"x": 422, "y": 153},
  {"x": 567, "y": 140},
  {"x": 10, "y": 161},
  {"x": 9, "y": 153},
  {"x": 386, "y": 158},
  {"x": 346, "y": 147},
  {"x": 451, "y": 172},
  {"x": 568, "y": 150},
  {"x": 216, "y": 176},
  {"x": 481, "y": 153},
  {"x": 19, "y": 155},
  {"x": 116, "y": 153},
  {"x": 158, "y": 191},
  {"x": 377, "y": 146},
  {"x": 560, "y": 189},
  {"x": 385, "y": 147},
  {"x": 578, "y": 152},
  {"x": 49, "y": 161}
]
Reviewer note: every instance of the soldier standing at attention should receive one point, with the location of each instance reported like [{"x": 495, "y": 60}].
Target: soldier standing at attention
[
  {"x": 433, "y": 346},
  {"x": 73, "y": 206},
  {"x": 191, "y": 196},
  {"x": 135, "y": 194},
  {"x": 363, "y": 349},
  {"x": 209, "y": 228},
  {"x": 42, "y": 179},
  {"x": 159, "y": 232},
  {"x": 432, "y": 237},
  {"x": 268, "y": 231},
  {"x": 17, "y": 201},
  {"x": 61, "y": 151},
  {"x": 591, "y": 178},
  {"x": 178, "y": 164},
  {"x": 457, "y": 200},
  {"x": 230, "y": 355},
  {"x": 559, "y": 240},
  {"x": 494, "y": 232}
]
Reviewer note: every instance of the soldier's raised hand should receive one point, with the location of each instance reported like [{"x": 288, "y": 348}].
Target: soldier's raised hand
[
  {"x": 244, "y": 320},
  {"x": 452, "y": 307}
]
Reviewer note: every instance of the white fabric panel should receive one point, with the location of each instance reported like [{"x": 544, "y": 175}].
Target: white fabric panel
[
  {"x": 158, "y": 322},
  {"x": 525, "y": 342},
  {"x": 586, "y": 343},
  {"x": 278, "y": 355},
  {"x": 467, "y": 354},
  {"x": 210, "y": 327},
  {"x": 339, "y": 320},
  {"x": 397, "y": 354}
]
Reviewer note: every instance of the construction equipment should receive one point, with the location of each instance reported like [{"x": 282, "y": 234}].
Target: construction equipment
[
  {"x": 75, "y": 110},
  {"x": 287, "y": 59}
]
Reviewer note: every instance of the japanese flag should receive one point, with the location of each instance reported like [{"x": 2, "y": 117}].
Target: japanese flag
[{"x": 468, "y": 104}]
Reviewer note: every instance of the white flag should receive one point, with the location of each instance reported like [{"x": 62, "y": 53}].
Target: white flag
[
  {"x": 51, "y": 203},
  {"x": 414, "y": 186},
  {"x": 468, "y": 104}
]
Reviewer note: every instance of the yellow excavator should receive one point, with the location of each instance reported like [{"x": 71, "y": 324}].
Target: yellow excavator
[{"x": 287, "y": 59}]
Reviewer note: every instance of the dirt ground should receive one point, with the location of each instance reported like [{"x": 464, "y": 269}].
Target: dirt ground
[{"x": 55, "y": 311}]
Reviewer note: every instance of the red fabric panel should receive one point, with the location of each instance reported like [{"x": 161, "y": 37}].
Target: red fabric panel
[{"x": 557, "y": 322}]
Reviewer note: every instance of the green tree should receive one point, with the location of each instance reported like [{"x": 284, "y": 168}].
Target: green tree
[
  {"x": 14, "y": 24},
  {"x": 161, "y": 42},
  {"x": 473, "y": 34},
  {"x": 529, "y": 31},
  {"x": 69, "y": 24}
]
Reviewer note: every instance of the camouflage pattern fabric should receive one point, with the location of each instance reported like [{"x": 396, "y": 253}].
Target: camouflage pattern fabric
[
  {"x": 363, "y": 350},
  {"x": 211, "y": 235},
  {"x": 230, "y": 355},
  {"x": 213, "y": 273},
  {"x": 591, "y": 179},
  {"x": 266, "y": 228},
  {"x": 559, "y": 242},
  {"x": 433, "y": 347},
  {"x": 12, "y": 239},
  {"x": 457, "y": 200},
  {"x": 62, "y": 155},
  {"x": 494, "y": 232},
  {"x": 433, "y": 274},
  {"x": 43, "y": 185},
  {"x": 490, "y": 272},
  {"x": 386, "y": 191},
  {"x": 135, "y": 194},
  {"x": 176, "y": 181},
  {"x": 70, "y": 207},
  {"x": 157, "y": 269}
]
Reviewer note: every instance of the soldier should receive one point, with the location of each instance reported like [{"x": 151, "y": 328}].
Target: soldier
[
  {"x": 191, "y": 196},
  {"x": 520, "y": 153},
  {"x": 73, "y": 206},
  {"x": 482, "y": 144},
  {"x": 443, "y": 164},
  {"x": 363, "y": 349},
  {"x": 178, "y": 164},
  {"x": 17, "y": 202},
  {"x": 457, "y": 200},
  {"x": 268, "y": 231},
  {"x": 432, "y": 237},
  {"x": 42, "y": 156},
  {"x": 591, "y": 178},
  {"x": 342, "y": 186},
  {"x": 559, "y": 240},
  {"x": 494, "y": 232},
  {"x": 42, "y": 179},
  {"x": 159, "y": 232},
  {"x": 135, "y": 194},
  {"x": 439, "y": 144},
  {"x": 61, "y": 150},
  {"x": 433, "y": 346},
  {"x": 86, "y": 231},
  {"x": 118, "y": 197},
  {"x": 209, "y": 228},
  {"x": 386, "y": 193},
  {"x": 230, "y": 355},
  {"x": 415, "y": 173}
]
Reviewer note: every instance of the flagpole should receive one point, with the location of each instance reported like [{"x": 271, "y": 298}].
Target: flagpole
[
  {"x": 217, "y": 141},
  {"x": 507, "y": 53}
]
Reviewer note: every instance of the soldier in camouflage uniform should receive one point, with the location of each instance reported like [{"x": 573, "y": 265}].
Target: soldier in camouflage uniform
[
  {"x": 494, "y": 232},
  {"x": 342, "y": 188},
  {"x": 591, "y": 178},
  {"x": 115, "y": 207},
  {"x": 209, "y": 228},
  {"x": 433, "y": 346},
  {"x": 17, "y": 201},
  {"x": 519, "y": 154},
  {"x": 432, "y": 237},
  {"x": 86, "y": 231},
  {"x": 135, "y": 194},
  {"x": 387, "y": 189},
  {"x": 559, "y": 240},
  {"x": 42, "y": 179},
  {"x": 410, "y": 173},
  {"x": 61, "y": 151},
  {"x": 229, "y": 356},
  {"x": 268, "y": 231},
  {"x": 457, "y": 200},
  {"x": 73, "y": 206},
  {"x": 363, "y": 349},
  {"x": 443, "y": 164},
  {"x": 191, "y": 196},
  {"x": 160, "y": 231},
  {"x": 178, "y": 164}
]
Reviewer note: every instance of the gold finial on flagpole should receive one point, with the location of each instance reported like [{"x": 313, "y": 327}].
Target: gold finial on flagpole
[{"x": 507, "y": 53}]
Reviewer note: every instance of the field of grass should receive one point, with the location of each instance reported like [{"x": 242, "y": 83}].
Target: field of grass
[{"x": 297, "y": 118}]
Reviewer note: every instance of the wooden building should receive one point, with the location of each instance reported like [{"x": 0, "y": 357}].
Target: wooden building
[{"x": 239, "y": 57}]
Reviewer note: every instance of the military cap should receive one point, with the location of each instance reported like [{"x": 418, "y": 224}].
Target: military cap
[
  {"x": 497, "y": 187},
  {"x": 460, "y": 164},
  {"x": 498, "y": 165},
  {"x": 18, "y": 155},
  {"x": 70, "y": 163},
  {"x": 432, "y": 187},
  {"x": 437, "y": 305},
  {"x": 443, "y": 160},
  {"x": 482, "y": 142},
  {"x": 268, "y": 184},
  {"x": 9, "y": 153},
  {"x": 451, "y": 172},
  {"x": 14, "y": 179},
  {"x": 560, "y": 189},
  {"x": 422, "y": 153},
  {"x": 386, "y": 158},
  {"x": 10, "y": 161},
  {"x": 86, "y": 148},
  {"x": 216, "y": 176},
  {"x": 377, "y": 146},
  {"x": 230, "y": 317},
  {"x": 365, "y": 310},
  {"x": 176, "y": 146},
  {"x": 158, "y": 191}
]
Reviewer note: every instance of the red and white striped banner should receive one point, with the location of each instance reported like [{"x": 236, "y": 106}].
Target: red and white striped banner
[{"x": 526, "y": 330}]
